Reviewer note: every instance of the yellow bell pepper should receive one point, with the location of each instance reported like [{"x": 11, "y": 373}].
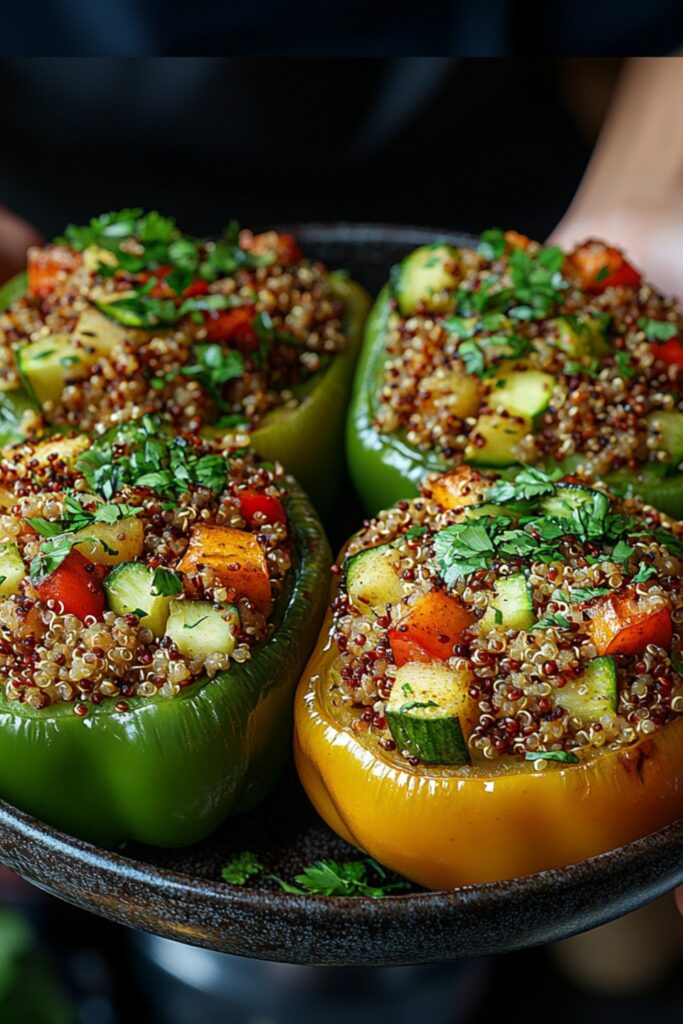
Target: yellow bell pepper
[{"x": 447, "y": 826}]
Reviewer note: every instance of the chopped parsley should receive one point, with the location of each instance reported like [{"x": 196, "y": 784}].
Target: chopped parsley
[
  {"x": 564, "y": 756},
  {"x": 552, "y": 619},
  {"x": 61, "y": 533},
  {"x": 142, "y": 455},
  {"x": 529, "y": 483},
  {"x": 362, "y": 877},
  {"x": 166, "y": 583},
  {"x": 583, "y": 594},
  {"x": 657, "y": 330},
  {"x": 624, "y": 365}
]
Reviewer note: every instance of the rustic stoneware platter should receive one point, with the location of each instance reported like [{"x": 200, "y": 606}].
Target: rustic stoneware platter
[{"x": 179, "y": 893}]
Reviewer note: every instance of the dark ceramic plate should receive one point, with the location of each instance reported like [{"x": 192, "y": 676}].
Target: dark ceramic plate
[{"x": 178, "y": 893}]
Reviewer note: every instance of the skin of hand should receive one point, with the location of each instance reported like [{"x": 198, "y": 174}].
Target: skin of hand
[
  {"x": 16, "y": 235},
  {"x": 632, "y": 192}
]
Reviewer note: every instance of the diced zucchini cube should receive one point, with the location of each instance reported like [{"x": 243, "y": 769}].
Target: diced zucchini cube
[
  {"x": 511, "y": 605},
  {"x": 372, "y": 578},
  {"x": 199, "y": 628},
  {"x": 12, "y": 569},
  {"x": 430, "y": 712},
  {"x": 495, "y": 439}
]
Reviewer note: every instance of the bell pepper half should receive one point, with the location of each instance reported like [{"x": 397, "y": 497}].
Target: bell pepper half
[
  {"x": 386, "y": 468},
  {"x": 445, "y": 827},
  {"x": 306, "y": 439},
  {"x": 168, "y": 771}
]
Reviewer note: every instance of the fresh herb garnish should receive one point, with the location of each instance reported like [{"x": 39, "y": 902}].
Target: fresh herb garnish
[
  {"x": 323, "y": 878},
  {"x": 551, "y": 755},
  {"x": 462, "y": 549},
  {"x": 142, "y": 455},
  {"x": 61, "y": 532},
  {"x": 657, "y": 330},
  {"x": 624, "y": 365},
  {"x": 491, "y": 244},
  {"x": 644, "y": 573},
  {"x": 166, "y": 583},
  {"x": 552, "y": 619},
  {"x": 583, "y": 594},
  {"x": 529, "y": 483},
  {"x": 241, "y": 868}
]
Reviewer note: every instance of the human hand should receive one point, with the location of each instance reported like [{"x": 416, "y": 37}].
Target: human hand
[
  {"x": 651, "y": 236},
  {"x": 16, "y": 235}
]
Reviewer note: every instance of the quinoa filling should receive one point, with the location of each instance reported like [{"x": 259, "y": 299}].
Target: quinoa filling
[
  {"x": 543, "y": 617},
  {"x": 128, "y": 316},
  {"x": 514, "y": 352},
  {"x": 133, "y": 564}
]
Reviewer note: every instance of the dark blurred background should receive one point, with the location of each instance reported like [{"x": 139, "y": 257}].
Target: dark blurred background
[
  {"x": 453, "y": 143},
  {"x": 446, "y": 142}
]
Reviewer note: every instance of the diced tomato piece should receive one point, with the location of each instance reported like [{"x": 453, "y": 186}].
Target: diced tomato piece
[
  {"x": 285, "y": 247},
  {"x": 599, "y": 266},
  {"x": 236, "y": 559},
  {"x": 429, "y": 629},
  {"x": 464, "y": 486},
  {"x": 621, "y": 625},
  {"x": 76, "y": 585},
  {"x": 253, "y": 502},
  {"x": 197, "y": 287},
  {"x": 46, "y": 264},
  {"x": 232, "y": 325},
  {"x": 670, "y": 352}
]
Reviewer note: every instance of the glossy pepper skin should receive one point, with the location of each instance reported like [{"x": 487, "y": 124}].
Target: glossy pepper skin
[
  {"x": 385, "y": 468},
  {"x": 444, "y": 827},
  {"x": 167, "y": 772},
  {"x": 307, "y": 440}
]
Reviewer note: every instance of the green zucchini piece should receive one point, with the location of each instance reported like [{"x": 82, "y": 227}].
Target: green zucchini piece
[
  {"x": 668, "y": 426},
  {"x": 582, "y": 335},
  {"x": 423, "y": 277},
  {"x": 593, "y": 694},
  {"x": 15, "y": 405},
  {"x": 566, "y": 499},
  {"x": 491, "y": 509},
  {"x": 12, "y": 569},
  {"x": 426, "y": 711},
  {"x": 499, "y": 439},
  {"x": 47, "y": 365},
  {"x": 521, "y": 392},
  {"x": 511, "y": 605},
  {"x": 372, "y": 578},
  {"x": 198, "y": 628},
  {"x": 130, "y": 591}
]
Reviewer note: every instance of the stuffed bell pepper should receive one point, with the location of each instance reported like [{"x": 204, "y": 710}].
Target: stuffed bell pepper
[
  {"x": 498, "y": 688},
  {"x": 158, "y": 600},
  {"x": 515, "y": 353},
  {"x": 242, "y": 337}
]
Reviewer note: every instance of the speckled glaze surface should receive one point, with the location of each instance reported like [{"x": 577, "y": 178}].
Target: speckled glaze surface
[{"x": 179, "y": 894}]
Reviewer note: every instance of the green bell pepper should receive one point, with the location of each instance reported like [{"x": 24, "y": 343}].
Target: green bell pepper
[
  {"x": 386, "y": 468},
  {"x": 169, "y": 770},
  {"x": 307, "y": 440}
]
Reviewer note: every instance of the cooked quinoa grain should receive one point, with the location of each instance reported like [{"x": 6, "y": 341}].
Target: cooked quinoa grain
[
  {"x": 602, "y": 342},
  {"x": 203, "y": 332},
  {"x": 594, "y": 609},
  {"x": 194, "y": 537}
]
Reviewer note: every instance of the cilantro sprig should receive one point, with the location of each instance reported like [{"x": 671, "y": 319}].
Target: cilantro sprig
[
  {"x": 142, "y": 455},
  {"x": 362, "y": 877},
  {"x": 657, "y": 330}
]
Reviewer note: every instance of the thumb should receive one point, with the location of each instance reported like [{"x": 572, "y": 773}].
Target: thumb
[{"x": 16, "y": 235}]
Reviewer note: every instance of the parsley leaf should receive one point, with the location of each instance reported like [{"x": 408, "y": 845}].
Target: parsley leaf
[
  {"x": 644, "y": 573},
  {"x": 551, "y": 755},
  {"x": 241, "y": 868},
  {"x": 530, "y": 482},
  {"x": 624, "y": 365},
  {"x": 166, "y": 583},
  {"x": 582, "y": 594},
  {"x": 552, "y": 619},
  {"x": 462, "y": 549},
  {"x": 491, "y": 244},
  {"x": 657, "y": 330}
]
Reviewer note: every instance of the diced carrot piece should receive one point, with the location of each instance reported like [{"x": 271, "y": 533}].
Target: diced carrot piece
[
  {"x": 285, "y": 247},
  {"x": 621, "y": 625},
  {"x": 45, "y": 265},
  {"x": 235, "y": 557},
  {"x": 430, "y": 629},
  {"x": 517, "y": 241},
  {"x": 464, "y": 486}
]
